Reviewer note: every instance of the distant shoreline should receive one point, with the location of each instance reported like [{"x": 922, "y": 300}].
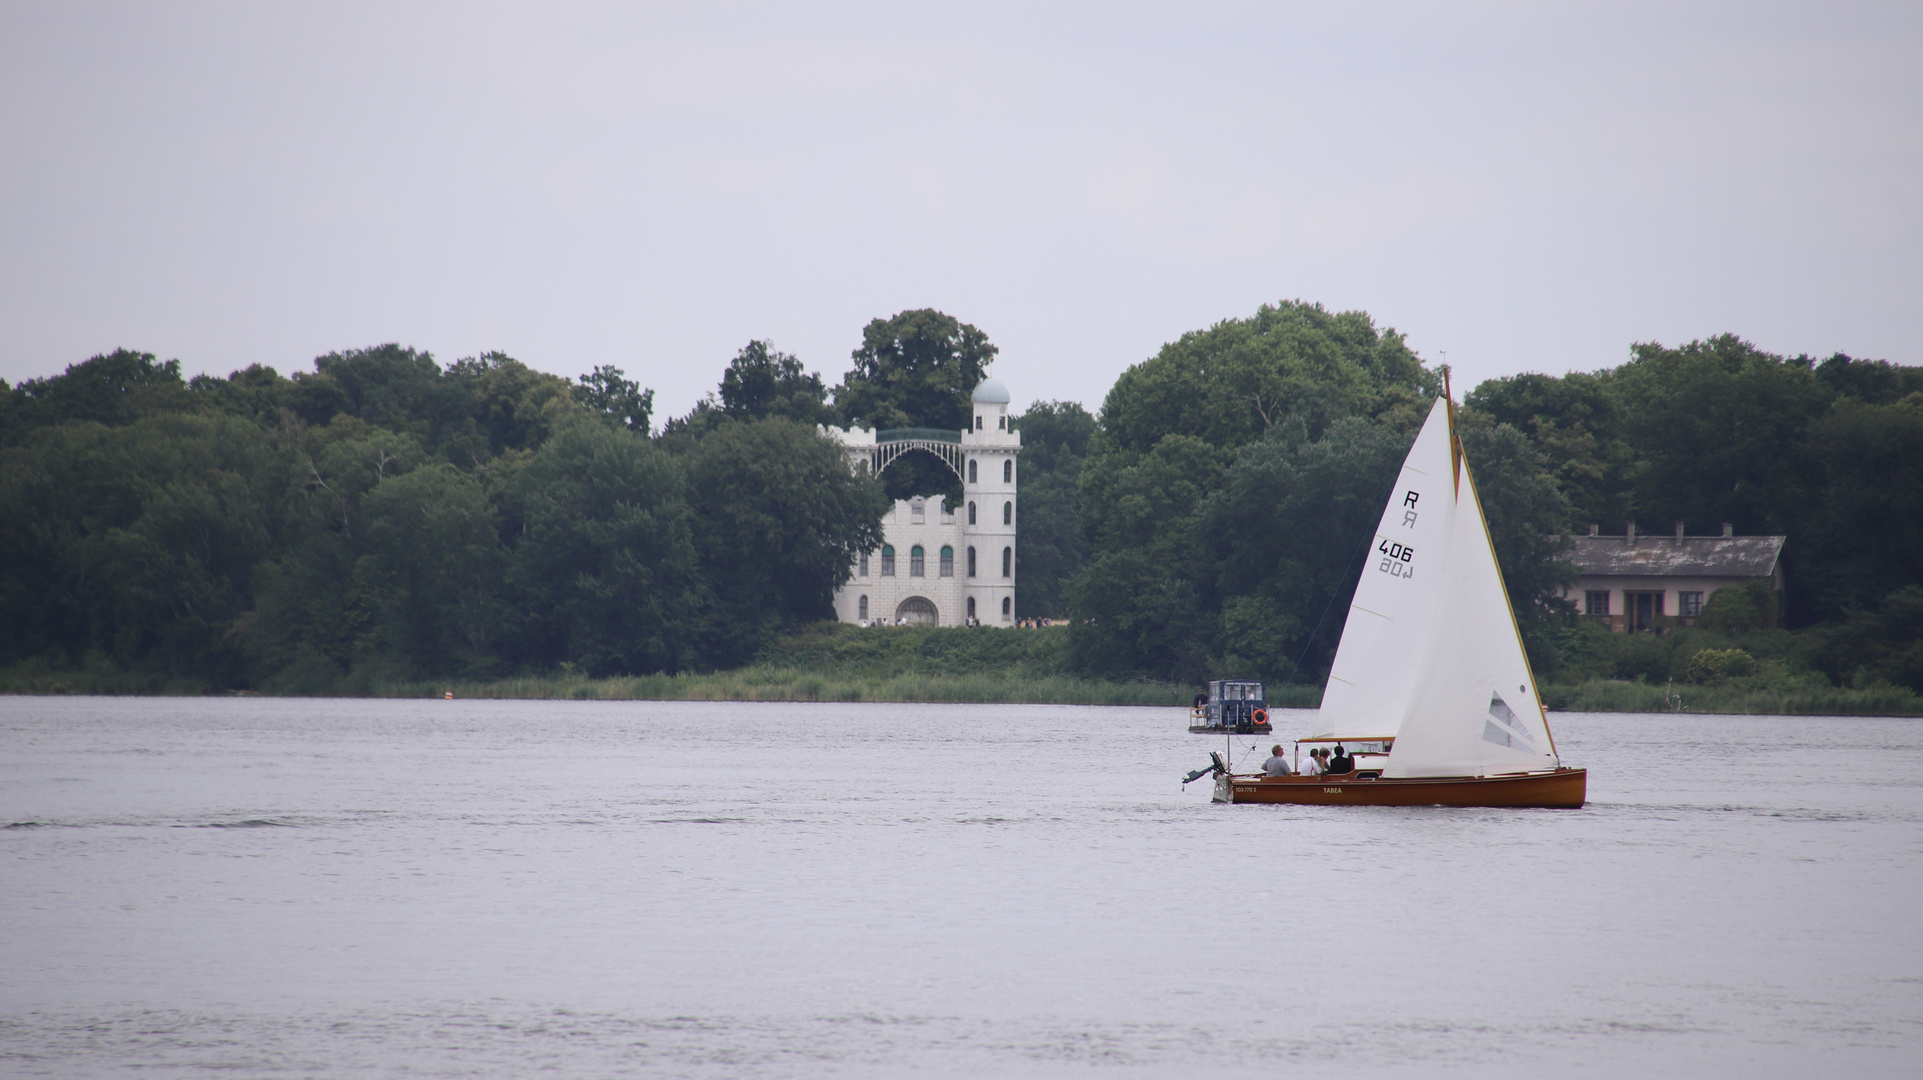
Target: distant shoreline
[{"x": 779, "y": 684}]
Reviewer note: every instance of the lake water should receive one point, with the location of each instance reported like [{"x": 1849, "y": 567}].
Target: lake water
[{"x": 387, "y": 888}]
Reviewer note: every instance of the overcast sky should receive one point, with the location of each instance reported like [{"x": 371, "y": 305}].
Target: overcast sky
[{"x": 1523, "y": 186}]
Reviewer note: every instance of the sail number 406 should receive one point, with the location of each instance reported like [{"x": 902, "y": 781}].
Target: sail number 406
[{"x": 1396, "y": 559}]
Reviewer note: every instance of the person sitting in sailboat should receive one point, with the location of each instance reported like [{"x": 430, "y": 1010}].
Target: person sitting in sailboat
[
  {"x": 1313, "y": 766},
  {"x": 1341, "y": 762},
  {"x": 1277, "y": 765}
]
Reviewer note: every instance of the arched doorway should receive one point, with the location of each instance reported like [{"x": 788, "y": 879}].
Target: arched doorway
[{"x": 918, "y": 611}]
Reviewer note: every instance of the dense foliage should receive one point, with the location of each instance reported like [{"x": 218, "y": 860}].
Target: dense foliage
[
  {"x": 384, "y": 518},
  {"x": 1233, "y": 475}
]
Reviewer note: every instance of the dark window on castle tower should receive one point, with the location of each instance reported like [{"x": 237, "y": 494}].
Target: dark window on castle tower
[
  {"x": 971, "y": 563},
  {"x": 1008, "y": 513},
  {"x": 971, "y": 511},
  {"x": 1008, "y": 562},
  {"x": 971, "y": 471},
  {"x": 1008, "y": 471}
]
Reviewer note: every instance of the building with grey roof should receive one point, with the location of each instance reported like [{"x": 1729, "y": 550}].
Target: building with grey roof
[{"x": 1643, "y": 582}]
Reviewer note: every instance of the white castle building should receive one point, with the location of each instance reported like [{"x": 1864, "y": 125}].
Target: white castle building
[{"x": 942, "y": 565}]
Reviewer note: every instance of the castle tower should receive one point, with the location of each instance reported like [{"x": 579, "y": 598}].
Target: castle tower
[
  {"x": 988, "y": 512},
  {"x": 940, "y": 564}
]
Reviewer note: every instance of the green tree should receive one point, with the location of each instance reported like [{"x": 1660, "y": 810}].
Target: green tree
[
  {"x": 113, "y": 388},
  {"x": 1229, "y": 384},
  {"x": 1166, "y": 550},
  {"x": 135, "y": 542},
  {"x": 918, "y": 369},
  {"x": 432, "y": 565},
  {"x": 1575, "y": 424},
  {"x": 1865, "y": 538},
  {"x": 1720, "y": 426},
  {"x": 602, "y": 559},
  {"x": 779, "y": 517},
  {"x": 1281, "y": 535},
  {"x": 609, "y": 393},
  {"x": 1055, "y": 438},
  {"x": 761, "y": 382}
]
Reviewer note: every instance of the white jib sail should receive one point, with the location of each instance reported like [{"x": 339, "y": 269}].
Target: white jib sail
[
  {"x": 1389, "y": 620},
  {"x": 1474, "y": 711}
]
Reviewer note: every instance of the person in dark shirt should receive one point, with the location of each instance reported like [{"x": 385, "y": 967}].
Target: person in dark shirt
[{"x": 1341, "y": 762}]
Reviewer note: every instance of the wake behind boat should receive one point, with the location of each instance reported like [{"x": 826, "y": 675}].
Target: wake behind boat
[{"x": 1429, "y": 655}]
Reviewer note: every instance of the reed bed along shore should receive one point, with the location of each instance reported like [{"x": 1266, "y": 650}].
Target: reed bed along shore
[
  {"x": 837, "y": 662},
  {"x": 789, "y": 684},
  {"x": 1614, "y": 695}
]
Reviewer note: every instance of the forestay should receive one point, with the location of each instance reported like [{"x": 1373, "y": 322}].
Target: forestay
[
  {"x": 1474, "y": 709},
  {"x": 1390, "y": 620}
]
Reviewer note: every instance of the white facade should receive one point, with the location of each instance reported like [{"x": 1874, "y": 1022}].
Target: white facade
[{"x": 979, "y": 534}]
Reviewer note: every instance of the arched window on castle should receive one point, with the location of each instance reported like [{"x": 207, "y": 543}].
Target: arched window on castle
[
  {"x": 915, "y": 557},
  {"x": 887, "y": 560},
  {"x": 947, "y": 561},
  {"x": 971, "y": 609},
  {"x": 971, "y": 471},
  {"x": 861, "y": 565},
  {"x": 971, "y": 562},
  {"x": 1008, "y": 562},
  {"x": 1008, "y": 513},
  {"x": 1008, "y": 608},
  {"x": 861, "y": 609},
  {"x": 1008, "y": 471},
  {"x": 971, "y": 512}
]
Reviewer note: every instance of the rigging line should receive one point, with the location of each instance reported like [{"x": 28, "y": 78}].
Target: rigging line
[{"x": 1368, "y": 536}]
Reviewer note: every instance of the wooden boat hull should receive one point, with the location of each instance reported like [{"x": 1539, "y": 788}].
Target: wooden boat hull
[{"x": 1562, "y": 789}]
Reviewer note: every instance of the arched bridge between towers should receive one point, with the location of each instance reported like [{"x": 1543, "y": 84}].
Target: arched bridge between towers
[{"x": 892, "y": 443}]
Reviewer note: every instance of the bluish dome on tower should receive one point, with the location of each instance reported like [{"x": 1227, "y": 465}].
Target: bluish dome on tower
[{"x": 991, "y": 392}]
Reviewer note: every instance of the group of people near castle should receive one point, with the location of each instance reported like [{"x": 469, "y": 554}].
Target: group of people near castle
[{"x": 1322, "y": 762}]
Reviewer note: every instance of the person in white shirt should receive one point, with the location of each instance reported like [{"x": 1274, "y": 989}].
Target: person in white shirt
[
  {"x": 1277, "y": 765},
  {"x": 1313, "y": 766}
]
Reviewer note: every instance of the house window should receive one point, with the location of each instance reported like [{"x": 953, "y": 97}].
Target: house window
[
  {"x": 947, "y": 561},
  {"x": 1008, "y": 608},
  {"x": 971, "y": 562},
  {"x": 971, "y": 471},
  {"x": 1595, "y": 602},
  {"x": 1008, "y": 513},
  {"x": 861, "y": 565},
  {"x": 1008, "y": 562},
  {"x": 971, "y": 609},
  {"x": 1008, "y": 471},
  {"x": 861, "y": 609},
  {"x": 887, "y": 560},
  {"x": 1001, "y": 422},
  {"x": 978, "y": 423},
  {"x": 1689, "y": 604},
  {"x": 971, "y": 512},
  {"x": 915, "y": 562}
]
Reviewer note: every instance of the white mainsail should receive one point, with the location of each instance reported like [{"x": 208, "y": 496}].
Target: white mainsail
[
  {"x": 1390, "y": 620},
  {"x": 1474, "y": 709}
]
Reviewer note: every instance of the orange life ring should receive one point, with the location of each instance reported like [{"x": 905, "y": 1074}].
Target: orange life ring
[{"x": 1259, "y": 717}]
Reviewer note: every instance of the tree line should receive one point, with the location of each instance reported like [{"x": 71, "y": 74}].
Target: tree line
[
  {"x": 1232, "y": 476},
  {"x": 385, "y": 517}
]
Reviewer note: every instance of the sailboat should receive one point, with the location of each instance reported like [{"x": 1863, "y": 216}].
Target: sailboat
[{"x": 1430, "y": 687}]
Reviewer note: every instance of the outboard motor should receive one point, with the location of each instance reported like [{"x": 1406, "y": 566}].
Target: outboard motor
[{"x": 1214, "y": 767}]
